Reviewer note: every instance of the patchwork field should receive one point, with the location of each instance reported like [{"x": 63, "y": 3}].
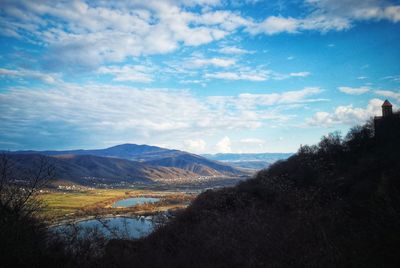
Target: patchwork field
[{"x": 71, "y": 205}]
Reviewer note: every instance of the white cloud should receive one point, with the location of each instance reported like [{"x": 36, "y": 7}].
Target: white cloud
[
  {"x": 300, "y": 74},
  {"x": 234, "y": 50},
  {"x": 79, "y": 34},
  {"x": 358, "y": 10},
  {"x": 247, "y": 101},
  {"x": 250, "y": 76},
  {"x": 256, "y": 74},
  {"x": 202, "y": 62},
  {"x": 347, "y": 115},
  {"x": 30, "y": 74},
  {"x": 191, "y": 82},
  {"x": 104, "y": 112},
  {"x": 224, "y": 145},
  {"x": 388, "y": 94},
  {"x": 328, "y": 15},
  {"x": 354, "y": 90},
  {"x": 196, "y": 145},
  {"x": 227, "y": 20},
  {"x": 86, "y": 34},
  {"x": 395, "y": 78},
  {"x": 252, "y": 140},
  {"x": 274, "y": 25},
  {"x": 135, "y": 73}
]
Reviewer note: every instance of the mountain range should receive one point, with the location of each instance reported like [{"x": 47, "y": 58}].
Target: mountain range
[
  {"x": 125, "y": 163},
  {"x": 248, "y": 161}
]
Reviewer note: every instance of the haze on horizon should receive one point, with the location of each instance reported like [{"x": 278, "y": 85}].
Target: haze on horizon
[{"x": 201, "y": 76}]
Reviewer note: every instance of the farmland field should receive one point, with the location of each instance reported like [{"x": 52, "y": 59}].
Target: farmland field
[{"x": 71, "y": 205}]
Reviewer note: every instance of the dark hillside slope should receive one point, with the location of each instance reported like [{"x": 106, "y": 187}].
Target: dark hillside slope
[
  {"x": 335, "y": 204},
  {"x": 153, "y": 155},
  {"x": 78, "y": 168},
  {"x": 196, "y": 164}
]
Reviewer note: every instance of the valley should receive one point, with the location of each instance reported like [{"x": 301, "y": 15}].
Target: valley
[
  {"x": 60, "y": 207},
  {"x": 86, "y": 184}
]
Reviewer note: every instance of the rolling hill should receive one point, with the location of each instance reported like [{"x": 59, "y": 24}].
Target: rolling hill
[
  {"x": 196, "y": 164},
  {"x": 126, "y": 163},
  {"x": 133, "y": 152},
  {"x": 88, "y": 169}
]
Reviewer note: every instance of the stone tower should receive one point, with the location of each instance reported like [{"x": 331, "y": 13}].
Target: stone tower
[
  {"x": 387, "y": 109},
  {"x": 387, "y": 126}
]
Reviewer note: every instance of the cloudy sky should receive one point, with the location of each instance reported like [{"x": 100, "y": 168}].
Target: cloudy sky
[{"x": 204, "y": 76}]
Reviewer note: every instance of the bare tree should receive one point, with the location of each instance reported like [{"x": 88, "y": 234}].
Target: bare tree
[
  {"x": 19, "y": 186},
  {"x": 23, "y": 235}
]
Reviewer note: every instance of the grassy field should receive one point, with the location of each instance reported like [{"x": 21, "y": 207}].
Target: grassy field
[{"x": 68, "y": 205}]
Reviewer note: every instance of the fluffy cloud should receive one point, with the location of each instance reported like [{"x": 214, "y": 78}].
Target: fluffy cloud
[
  {"x": 196, "y": 146},
  {"x": 394, "y": 78},
  {"x": 347, "y": 115},
  {"x": 389, "y": 94},
  {"x": 136, "y": 73},
  {"x": 258, "y": 74},
  {"x": 274, "y": 25},
  {"x": 249, "y": 76},
  {"x": 329, "y": 15},
  {"x": 103, "y": 113},
  {"x": 30, "y": 74},
  {"x": 247, "y": 101},
  {"x": 85, "y": 34},
  {"x": 203, "y": 62},
  {"x": 234, "y": 50},
  {"x": 354, "y": 90},
  {"x": 300, "y": 74},
  {"x": 357, "y": 10},
  {"x": 224, "y": 145},
  {"x": 252, "y": 141}
]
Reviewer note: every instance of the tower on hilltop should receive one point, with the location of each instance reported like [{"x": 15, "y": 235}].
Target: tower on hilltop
[
  {"x": 387, "y": 125},
  {"x": 387, "y": 108}
]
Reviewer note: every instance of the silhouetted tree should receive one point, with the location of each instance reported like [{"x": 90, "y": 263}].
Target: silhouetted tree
[{"x": 22, "y": 235}]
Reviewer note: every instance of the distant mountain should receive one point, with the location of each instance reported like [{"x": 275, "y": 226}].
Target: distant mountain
[
  {"x": 133, "y": 161},
  {"x": 86, "y": 169},
  {"x": 249, "y": 161},
  {"x": 196, "y": 164},
  {"x": 251, "y": 164},
  {"x": 124, "y": 151},
  {"x": 248, "y": 157}
]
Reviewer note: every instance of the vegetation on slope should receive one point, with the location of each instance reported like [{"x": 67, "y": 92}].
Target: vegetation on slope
[
  {"x": 129, "y": 162},
  {"x": 335, "y": 204}
]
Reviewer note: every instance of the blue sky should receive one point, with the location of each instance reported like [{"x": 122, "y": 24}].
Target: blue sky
[{"x": 204, "y": 76}]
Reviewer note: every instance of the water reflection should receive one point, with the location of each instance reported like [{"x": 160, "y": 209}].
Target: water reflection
[
  {"x": 116, "y": 227},
  {"x": 129, "y": 202}
]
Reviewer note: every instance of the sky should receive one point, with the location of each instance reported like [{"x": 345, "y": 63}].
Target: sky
[{"x": 206, "y": 76}]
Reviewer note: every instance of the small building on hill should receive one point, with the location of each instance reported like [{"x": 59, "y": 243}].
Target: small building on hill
[{"x": 387, "y": 125}]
